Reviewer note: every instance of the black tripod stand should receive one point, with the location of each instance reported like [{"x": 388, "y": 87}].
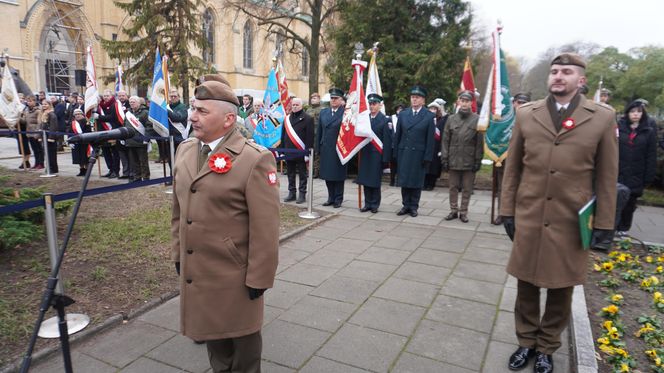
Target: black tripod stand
[{"x": 59, "y": 301}]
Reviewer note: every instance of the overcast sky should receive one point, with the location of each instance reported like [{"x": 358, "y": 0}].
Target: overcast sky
[{"x": 531, "y": 27}]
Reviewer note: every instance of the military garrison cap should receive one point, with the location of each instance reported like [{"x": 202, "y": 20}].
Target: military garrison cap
[
  {"x": 569, "y": 59},
  {"x": 216, "y": 90},
  {"x": 336, "y": 92},
  {"x": 466, "y": 94},
  {"x": 374, "y": 98},
  {"x": 522, "y": 97},
  {"x": 418, "y": 90}
]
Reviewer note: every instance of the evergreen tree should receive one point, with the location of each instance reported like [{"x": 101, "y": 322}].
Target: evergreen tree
[
  {"x": 420, "y": 43},
  {"x": 172, "y": 25}
]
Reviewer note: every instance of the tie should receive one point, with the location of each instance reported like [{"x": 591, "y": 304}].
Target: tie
[
  {"x": 203, "y": 156},
  {"x": 415, "y": 112},
  {"x": 561, "y": 118}
]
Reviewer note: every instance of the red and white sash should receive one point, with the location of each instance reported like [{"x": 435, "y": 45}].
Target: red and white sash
[
  {"x": 105, "y": 125},
  {"x": 292, "y": 135},
  {"x": 120, "y": 111},
  {"x": 76, "y": 128}
]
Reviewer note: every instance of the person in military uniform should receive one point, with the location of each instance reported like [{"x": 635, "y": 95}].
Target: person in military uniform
[
  {"x": 604, "y": 96},
  {"x": 300, "y": 135},
  {"x": 393, "y": 162},
  {"x": 224, "y": 188},
  {"x": 437, "y": 107},
  {"x": 331, "y": 169},
  {"x": 313, "y": 110},
  {"x": 562, "y": 152},
  {"x": 372, "y": 158},
  {"x": 461, "y": 155},
  {"x": 414, "y": 140}
]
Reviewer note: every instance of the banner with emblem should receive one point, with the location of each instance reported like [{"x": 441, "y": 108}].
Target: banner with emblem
[
  {"x": 497, "y": 116},
  {"x": 271, "y": 117},
  {"x": 118, "y": 79},
  {"x": 280, "y": 72},
  {"x": 10, "y": 106},
  {"x": 355, "y": 131},
  {"x": 373, "y": 80},
  {"x": 468, "y": 82},
  {"x": 158, "y": 113},
  {"x": 91, "y": 93}
]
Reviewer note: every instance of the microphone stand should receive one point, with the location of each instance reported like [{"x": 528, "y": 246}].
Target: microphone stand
[{"x": 60, "y": 301}]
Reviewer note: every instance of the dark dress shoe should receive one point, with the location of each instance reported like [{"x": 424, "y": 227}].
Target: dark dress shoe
[
  {"x": 123, "y": 177},
  {"x": 364, "y": 209},
  {"x": 543, "y": 363},
  {"x": 373, "y": 211},
  {"x": 403, "y": 211},
  {"x": 463, "y": 218},
  {"x": 108, "y": 174},
  {"x": 328, "y": 203},
  {"x": 337, "y": 205},
  {"x": 301, "y": 199},
  {"x": 519, "y": 358},
  {"x": 290, "y": 198},
  {"x": 199, "y": 342},
  {"x": 498, "y": 221},
  {"x": 452, "y": 216},
  {"x": 113, "y": 175},
  {"x": 413, "y": 213}
]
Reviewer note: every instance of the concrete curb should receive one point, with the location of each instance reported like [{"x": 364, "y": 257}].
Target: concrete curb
[
  {"x": 120, "y": 318},
  {"x": 582, "y": 341}
]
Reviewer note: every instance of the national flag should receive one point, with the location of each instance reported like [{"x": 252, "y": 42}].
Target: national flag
[
  {"x": 118, "y": 79},
  {"x": 91, "y": 92},
  {"x": 373, "y": 81},
  {"x": 158, "y": 114},
  {"x": 355, "y": 131},
  {"x": 468, "y": 82},
  {"x": 497, "y": 109},
  {"x": 283, "y": 86},
  {"x": 271, "y": 117},
  {"x": 10, "y": 106}
]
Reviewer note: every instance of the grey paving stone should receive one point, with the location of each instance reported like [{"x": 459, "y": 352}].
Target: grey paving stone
[
  {"x": 291, "y": 344},
  {"x": 343, "y": 223},
  {"x": 511, "y": 282},
  {"x": 306, "y": 274},
  {"x": 320, "y": 313},
  {"x": 166, "y": 315},
  {"x": 270, "y": 367},
  {"x": 349, "y": 245},
  {"x": 481, "y": 271},
  {"x": 80, "y": 363},
  {"x": 346, "y": 289},
  {"x": 126, "y": 343},
  {"x": 434, "y": 257},
  {"x": 368, "y": 233},
  {"x": 492, "y": 241},
  {"x": 451, "y": 344},
  {"x": 284, "y": 294},
  {"x": 326, "y": 233},
  {"x": 363, "y": 347},
  {"x": 484, "y": 255},
  {"x": 407, "y": 291},
  {"x": 388, "y": 316},
  {"x": 508, "y": 299},
  {"x": 412, "y": 231},
  {"x": 183, "y": 353},
  {"x": 409, "y": 363},
  {"x": 270, "y": 313},
  {"x": 305, "y": 243},
  {"x": 387, "y": 212},
  {"x": 384, "y": 255},
  {"x": 423, "y": 219},
  {"x": 503, "y": 330},
  {"x": 367, "y": 270},
  {"x": 144, "y": 365},
  {"x": 445, "y": 244},
  {"x": 404, "y": 243},
  {"x": 422, "y": 273},
  {"x": 466, "y": 288},
  {"x": 457, "y": 224},
  {"x": 487, "y": 227},
  {"x": 330, "y": 258},
  {"x": 462, "y": 312},
  {"x": 289, "y": 256},
  {"x": 320, "y": 365}
]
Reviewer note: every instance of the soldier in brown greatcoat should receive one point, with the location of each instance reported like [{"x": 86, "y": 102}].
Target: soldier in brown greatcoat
[
  {"x": 225, "y": 232},
  {"x": 562, "y": 152}
]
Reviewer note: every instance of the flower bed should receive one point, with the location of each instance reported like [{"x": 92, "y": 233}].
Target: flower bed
[{"x": 626, "y": 307}]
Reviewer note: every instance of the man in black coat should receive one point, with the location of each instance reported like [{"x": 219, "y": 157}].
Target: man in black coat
[
  {"x": 414, "y": 147},
  {"x": 331, "y": 169},
  {"x": 298, "y": 133},
  {"x": 374, "y": 158}
]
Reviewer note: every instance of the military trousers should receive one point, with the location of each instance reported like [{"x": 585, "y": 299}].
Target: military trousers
[
  {"x": 371, "y": 197},
  {"x": 460, "y": 180},
  {"x": 299, "y": 168},
  {"x": 335, "y": 191},
  {"x": 542, "y": 334},
  {"x": 236, "y": 355},
  {"x": 410, "y": 198}
]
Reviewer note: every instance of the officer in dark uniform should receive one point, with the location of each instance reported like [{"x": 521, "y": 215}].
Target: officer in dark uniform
[
  {"x": 414, "y": 147},
  {"x": 331, "y": 169},
  {"x": 372, "y": 160}
]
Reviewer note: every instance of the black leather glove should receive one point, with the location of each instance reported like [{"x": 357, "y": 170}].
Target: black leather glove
[
  {"x": 508, "y": 223},
  {"x": 177, "y": 268},
  {"x": 426, "y": 164},
  {"x": 255, "y": 293},
  {"x": 445, "y": 166},
  {"x": 601, "y": 239},
  {"x": 477, "y": 166}
]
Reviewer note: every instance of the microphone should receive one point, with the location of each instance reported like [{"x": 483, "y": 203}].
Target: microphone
[{"x": 121, "y": 133}]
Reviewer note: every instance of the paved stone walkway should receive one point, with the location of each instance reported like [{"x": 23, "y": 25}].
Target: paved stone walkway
[{"x": 360, "y": 292}]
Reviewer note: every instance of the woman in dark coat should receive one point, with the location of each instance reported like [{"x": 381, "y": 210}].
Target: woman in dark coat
[
  {"x": 79, "y": 152},
  {"x": 434, "y": 170},
  {"x": 49, "y": 123},
  {"x": 638, "y": 157}
]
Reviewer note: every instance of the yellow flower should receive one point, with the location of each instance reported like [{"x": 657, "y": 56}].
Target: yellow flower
[
  {"x": 654, "y": 280},
  {"x": 607, "y": 349},
  {"x": 616, "y": 298},
  {"x": 607, "y": 266},
  {"x": 621, "y": 352},
  {"x": 660, "y": 259},
  {"x": 659, "y": 269},
  {"x": 657, "y": 296},
  {"x": 658, "y": 361},
  {"x": 608, "y": 325},
  {"x": 597, "y": 268},
  {"x": 645, "y": 329},
  {"x": 613, "y": 334},
  {"x": 624, "y": 367},
  {"x": 646, "y": 283},
  {"x": 649, "y": 259},
  {"x": 603, "y": 341},
  {"x": 612, "y": 309}
]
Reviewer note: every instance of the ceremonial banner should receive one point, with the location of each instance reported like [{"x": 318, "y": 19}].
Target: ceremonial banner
[
  {"x": 598, "y": 92},
  {"x": 283, "y": 87},
  {"x": 158, "y": 114},
  {"x": 91, "y": 93},
  {"x": 10, "y": 106},
  {"x": 373, "y": 80},
  {"x": 498, "y": 106},
  {"x": 271, "y": 117},
  {"x": 118, "y": 79},
  {"x": 468, "y": 82},
  {"x": 355, "y": 131},
  {"x": 138, "y": 126}
]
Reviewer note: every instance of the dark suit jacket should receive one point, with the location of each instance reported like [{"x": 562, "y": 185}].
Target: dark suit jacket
[
  {"x": 331, "y": 168},
  {"x": 414, "y": 145},
  {"x": 371, "y": 160},
  {"x": 303, "y": 124}
]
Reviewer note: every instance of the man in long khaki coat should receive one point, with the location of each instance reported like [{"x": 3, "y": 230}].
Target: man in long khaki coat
[
  {"x": 225, "y": 232},
  {"x": 562, "y": 152}
]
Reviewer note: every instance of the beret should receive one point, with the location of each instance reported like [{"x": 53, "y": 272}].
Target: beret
[
  {"x": 418, "y": 90},
  {"x": 524, "y": 97},
  {"x": 466, "y": 94},
  {"x": 216, "y": 90},
  {"x": 569, "y": 59},
  {"x": 213, "y": 77}
]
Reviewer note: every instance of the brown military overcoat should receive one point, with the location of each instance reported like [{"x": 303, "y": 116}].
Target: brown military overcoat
[
  {"x": 549, "y": 176},
  {"x": 225, "y": 234}
]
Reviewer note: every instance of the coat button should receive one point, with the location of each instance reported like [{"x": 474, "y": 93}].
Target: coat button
[
  {"x": 188, "y": 221},
  {"x": 556, "y": 143},
  {"x": 193, "y": 190},
  {"x": 546, "y": 224},
  {"x": 190, "y": 251},
  {"x": 189, "y": 281},
  {"x": 549, "y": 198},
  {"x": 553, "y": 171}
]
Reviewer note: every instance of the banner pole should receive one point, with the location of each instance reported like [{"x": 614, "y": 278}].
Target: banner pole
[
  {"x": 310, "y": 214},
  {"x": 493, "y": 192},
  {"x": 47, "y": 168},
  {"x": 359, "y": 187}
]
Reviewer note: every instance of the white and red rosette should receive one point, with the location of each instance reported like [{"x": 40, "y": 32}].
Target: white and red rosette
[
  {"x": 569, "y": 123},
  {"x": 220, "y": 163}
]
